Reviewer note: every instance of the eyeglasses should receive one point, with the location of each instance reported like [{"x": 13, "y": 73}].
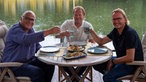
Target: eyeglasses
[
  {"x": 117, "y": 18},
  {"x": 29, "y": 19}
]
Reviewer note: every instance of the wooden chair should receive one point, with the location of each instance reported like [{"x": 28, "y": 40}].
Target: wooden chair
[
  {"x": 140, "y": 73},
  {"x": 6, "y": 75}
]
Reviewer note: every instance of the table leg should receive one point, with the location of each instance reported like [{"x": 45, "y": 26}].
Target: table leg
[
  {"x": 61, "y": 70},
  {"x": 59, "y": 75},
  {"x": 88, "y": 71},
  {"x": 90, "y": 75},
  {"x": 75, "y": 74}
]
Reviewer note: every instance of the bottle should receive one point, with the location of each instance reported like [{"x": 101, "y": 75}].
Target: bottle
[{"x": 65, "y": 42}]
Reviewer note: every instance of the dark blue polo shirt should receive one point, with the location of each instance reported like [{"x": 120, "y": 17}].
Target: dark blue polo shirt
[{"x": 128, "y": 39}]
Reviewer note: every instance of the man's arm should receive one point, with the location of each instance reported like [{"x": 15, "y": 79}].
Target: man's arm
[
  {"x": 53, "y": 30},
  {"x": 98, "y": 39},
  {"x": 129, "y": 57}
]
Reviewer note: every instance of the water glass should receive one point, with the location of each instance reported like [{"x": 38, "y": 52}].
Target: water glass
[
  {"x": 86, "y": 30},
  {"x": 65, "y": 42},
  {"x": 71, "y": 34}
]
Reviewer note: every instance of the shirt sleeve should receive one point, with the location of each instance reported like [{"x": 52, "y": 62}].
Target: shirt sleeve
[
  {"x": 21, "y": 37},
  {"x": 111, "y": 34},
  {"x": 91, "y": 27},
  {"x": 64, "y": 26},
  {"x": 131, "y": 38}
]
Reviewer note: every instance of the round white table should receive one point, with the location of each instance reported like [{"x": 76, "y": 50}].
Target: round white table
[{"x": 90, "y": 60}]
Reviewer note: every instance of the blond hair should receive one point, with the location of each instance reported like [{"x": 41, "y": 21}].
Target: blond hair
[
  {"x": 123, "y": 13},
  {"x": 79, "y": 8}
]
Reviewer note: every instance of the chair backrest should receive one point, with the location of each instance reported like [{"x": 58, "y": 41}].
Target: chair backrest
[
  {"x": 144, "y": 45},
  {"x": 3, "y": 32}
]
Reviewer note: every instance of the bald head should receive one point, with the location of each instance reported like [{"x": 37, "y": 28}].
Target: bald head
[
  {"x": 28, "y": 20},
  {"x": 28, "y": 12}
]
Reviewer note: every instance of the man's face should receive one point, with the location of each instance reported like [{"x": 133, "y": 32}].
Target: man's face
[
  {"x": 28, "y": 21},
  {"x": 118, "y": 20},
  {"x": 78, "y": 16}
]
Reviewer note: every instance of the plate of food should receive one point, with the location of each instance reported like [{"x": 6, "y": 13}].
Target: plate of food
[
  {"x": 74, "y": 55},
  {"x": 75, "y": 48},
  {"x": 49, "y": 49},
  {"x": 97, "y": 50}
]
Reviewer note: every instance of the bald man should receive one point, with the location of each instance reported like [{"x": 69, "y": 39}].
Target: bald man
[{"x": 22, "y": 42}]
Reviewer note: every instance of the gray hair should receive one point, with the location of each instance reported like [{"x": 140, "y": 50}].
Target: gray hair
[{"x": 28, "y": 12}]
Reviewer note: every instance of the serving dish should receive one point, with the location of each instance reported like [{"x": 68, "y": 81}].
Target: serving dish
[
  {"x": 74, "y": 55},
  {"x": 75, "y": 48}
]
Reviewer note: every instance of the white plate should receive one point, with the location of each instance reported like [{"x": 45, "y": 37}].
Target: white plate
[
  {"x": 81, "y": 43},
  {"x": 49, "y": 49}
]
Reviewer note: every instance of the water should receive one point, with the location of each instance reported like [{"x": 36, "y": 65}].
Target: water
[{"x": 54, "y": 12}]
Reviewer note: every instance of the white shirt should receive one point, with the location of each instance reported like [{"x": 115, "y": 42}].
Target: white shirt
[{"x": 77, "y": 34}]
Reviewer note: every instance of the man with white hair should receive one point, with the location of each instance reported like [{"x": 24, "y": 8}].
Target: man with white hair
[{"x": 22, "y": 42}]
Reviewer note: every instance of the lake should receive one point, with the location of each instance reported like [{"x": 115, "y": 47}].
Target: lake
[{"x": 54, "y": 12}]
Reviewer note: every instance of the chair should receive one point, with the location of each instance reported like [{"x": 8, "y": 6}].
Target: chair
[
  {"x": 6, "y": 75},
  {"x": 140, "y": 73}
]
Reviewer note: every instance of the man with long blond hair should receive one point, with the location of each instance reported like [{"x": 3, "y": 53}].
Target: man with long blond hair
[{"x": 127, "y": 46}]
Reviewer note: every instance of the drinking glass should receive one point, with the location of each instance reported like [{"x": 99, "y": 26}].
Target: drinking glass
[
  {"x": 71, "y": 35},
  {"x": 86, "y": 30},
  {"x": 65, "y": 42}
]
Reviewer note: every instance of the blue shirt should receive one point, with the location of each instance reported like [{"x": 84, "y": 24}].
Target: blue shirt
[
  {"x": 127, "y": 40},
  {"x": 21, "y": 46}
]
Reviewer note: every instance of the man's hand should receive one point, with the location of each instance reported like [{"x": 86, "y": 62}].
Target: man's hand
[
  {"x": 110, "y": 65},
  {"x": 53, "y": 30},
  {"x": 62, "y": 34},
  {"x": 65, "y": 33}
]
